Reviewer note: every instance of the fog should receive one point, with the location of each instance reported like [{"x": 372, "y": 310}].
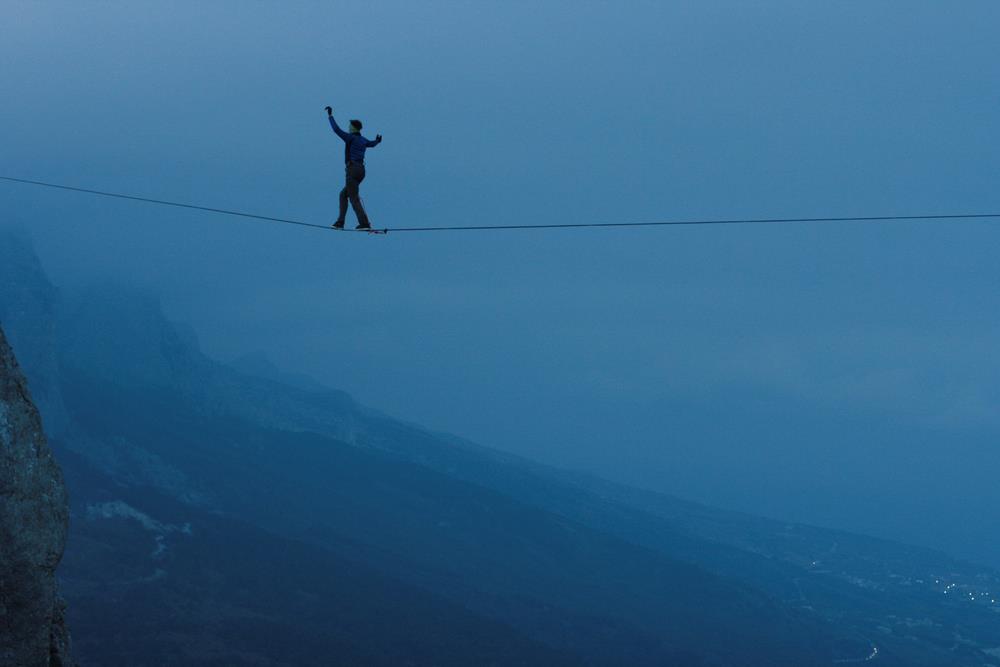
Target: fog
[{"x": 838, "y": 374}]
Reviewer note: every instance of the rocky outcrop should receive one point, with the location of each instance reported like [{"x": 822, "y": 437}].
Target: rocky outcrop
[{"x": 34, "y": 517}]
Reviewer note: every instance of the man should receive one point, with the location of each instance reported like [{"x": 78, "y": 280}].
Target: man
[{"x": 354, "y": 158}]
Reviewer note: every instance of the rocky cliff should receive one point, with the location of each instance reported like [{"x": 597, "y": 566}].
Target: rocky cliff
[{"x": 34, "y": 517}]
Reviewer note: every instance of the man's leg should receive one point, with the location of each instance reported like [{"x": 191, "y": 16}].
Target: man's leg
[
  {"x": 343, "y": 204},
  {"x": 356, "y": 174}
]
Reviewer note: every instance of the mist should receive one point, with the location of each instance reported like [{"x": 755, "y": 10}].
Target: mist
[{"x": 844, "y": 375}]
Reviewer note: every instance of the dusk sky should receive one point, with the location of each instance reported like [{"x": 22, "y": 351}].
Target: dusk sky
[{"x": 842, "y": 374}]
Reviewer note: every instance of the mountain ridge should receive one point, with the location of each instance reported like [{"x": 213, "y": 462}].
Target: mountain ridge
[{"x": 581, "y": 566}]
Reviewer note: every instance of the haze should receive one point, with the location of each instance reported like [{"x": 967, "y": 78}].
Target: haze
[{"x": 840, "y": 374}]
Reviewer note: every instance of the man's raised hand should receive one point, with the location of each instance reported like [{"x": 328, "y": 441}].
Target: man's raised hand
[{"x": 329, "y": 111}]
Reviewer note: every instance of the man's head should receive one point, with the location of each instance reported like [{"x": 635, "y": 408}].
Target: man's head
[{"x": 355, "y": 126}]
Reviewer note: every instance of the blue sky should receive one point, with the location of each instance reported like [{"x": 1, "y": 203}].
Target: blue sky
[{"x": 841, "y": 374}]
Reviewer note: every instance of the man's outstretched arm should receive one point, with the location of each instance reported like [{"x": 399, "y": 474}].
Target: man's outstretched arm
[
  {"x": 378, "y": 140},
  {"x": 336, "y": 128}
]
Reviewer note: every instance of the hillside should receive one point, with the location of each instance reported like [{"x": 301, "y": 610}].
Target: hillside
[{"x": 255, "y": 511}]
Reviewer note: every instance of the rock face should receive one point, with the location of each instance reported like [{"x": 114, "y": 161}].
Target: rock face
[{"x": 34, "y": 517}]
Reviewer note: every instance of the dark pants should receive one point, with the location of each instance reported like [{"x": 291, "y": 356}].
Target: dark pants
[{"x": 355, "y": 172}]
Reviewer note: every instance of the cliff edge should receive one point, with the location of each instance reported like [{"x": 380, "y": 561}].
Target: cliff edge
[{"x": 34, "y": 517}]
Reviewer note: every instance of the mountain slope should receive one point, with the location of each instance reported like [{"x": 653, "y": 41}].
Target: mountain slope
[
  {"x": 158, "y": 582},
  {"x": 857, "y": 584},
  {"x": 561, "y": 563},
  {"x": 537, "y": 571}
]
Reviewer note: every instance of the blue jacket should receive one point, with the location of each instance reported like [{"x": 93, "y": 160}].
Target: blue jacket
[{"x": 354, "y": 144}]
